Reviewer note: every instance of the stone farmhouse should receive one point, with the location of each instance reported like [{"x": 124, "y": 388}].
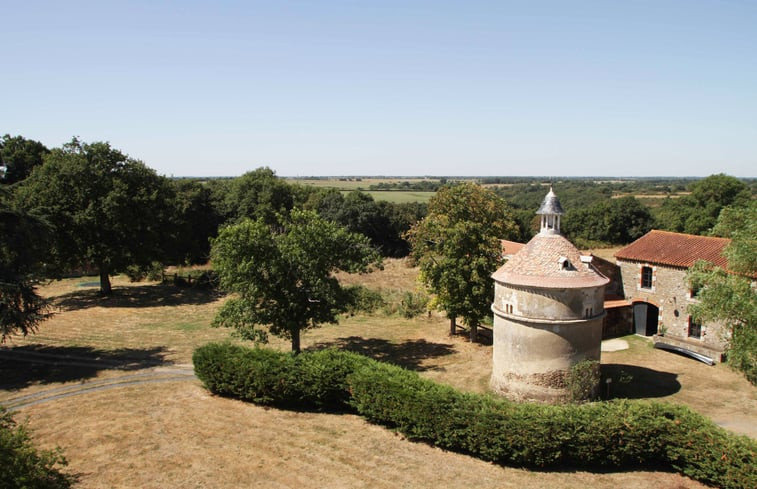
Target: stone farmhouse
[
  {"x": 553, "y": 305},
  {"x": 653, "y": 281}
]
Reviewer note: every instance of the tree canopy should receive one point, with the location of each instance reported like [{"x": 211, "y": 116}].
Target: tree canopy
[
  {"x": 611, "y": 221},
  {"x": 19, "y": 156},
  {"x": 729, "y": 295},
  {"x": 698, "y": 212},
  {"x": 383, "y": 223},
  {"x": 108, "y": 210},
  {"x": 282, "y": 274},
  {"x": 457, "y": 246},
  {"x": 22, "y": 243},
  {"x": 259, "y": 194}
]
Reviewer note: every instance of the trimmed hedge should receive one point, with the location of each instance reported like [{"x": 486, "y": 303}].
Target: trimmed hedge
[
  {"x": 619, "y": 433},
  {"x": 315, "y": 380}
]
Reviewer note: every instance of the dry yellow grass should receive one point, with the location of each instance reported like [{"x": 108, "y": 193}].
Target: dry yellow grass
[
  {"x": 174, "y": 434},
  {"x": 178, "y": 435}
]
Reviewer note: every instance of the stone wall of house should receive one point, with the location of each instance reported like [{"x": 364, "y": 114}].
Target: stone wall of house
[
  {"x": 612, "y": 272},
  {"x": 672, "y": 295}
]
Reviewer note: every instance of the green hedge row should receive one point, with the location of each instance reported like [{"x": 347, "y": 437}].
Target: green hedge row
[
  {"x": 608, "y": 434},
  {"x": 316, "y": 380}
]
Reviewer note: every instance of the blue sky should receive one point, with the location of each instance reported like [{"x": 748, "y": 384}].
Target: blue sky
[{"x": 576, "y": 88}]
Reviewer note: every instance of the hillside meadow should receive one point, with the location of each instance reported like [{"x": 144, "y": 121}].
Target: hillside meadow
[{"x": 109, "y": 380}]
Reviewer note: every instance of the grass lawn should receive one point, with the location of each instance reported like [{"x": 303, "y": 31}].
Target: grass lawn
[{"x": 173, "y": 433}]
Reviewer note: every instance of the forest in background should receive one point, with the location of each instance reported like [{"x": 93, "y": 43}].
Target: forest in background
[{"x": 185, "y": 213}]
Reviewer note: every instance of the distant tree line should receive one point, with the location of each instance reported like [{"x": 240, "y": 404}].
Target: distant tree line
[
  {"x": 89, "y": 206},
  {"x": 406, "y": 185},
  {"x": 608, "y": 213}
]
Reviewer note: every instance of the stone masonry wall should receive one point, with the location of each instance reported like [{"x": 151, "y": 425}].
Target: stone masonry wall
[{"x": 671, "y": 294}]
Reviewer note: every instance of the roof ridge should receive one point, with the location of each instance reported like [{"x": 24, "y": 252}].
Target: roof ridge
[{"x": 683, "y": 234}]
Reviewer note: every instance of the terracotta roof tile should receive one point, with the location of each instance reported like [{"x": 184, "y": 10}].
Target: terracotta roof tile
[
  {"x": 510, "y": 247},
  {"x": 675, "y": 249},
  {"x": 539, "y": 264}
]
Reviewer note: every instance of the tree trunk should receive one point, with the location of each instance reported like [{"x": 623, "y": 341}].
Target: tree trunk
[
  {"x": 452, "y": 326},
  {"x": 473, "y": 333},
  {"x": 105, "y": 288},
  {"x": 296, "y": 341}
]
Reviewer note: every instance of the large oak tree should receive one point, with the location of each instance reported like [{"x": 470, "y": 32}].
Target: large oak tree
[{"x": 108, "y": 210}]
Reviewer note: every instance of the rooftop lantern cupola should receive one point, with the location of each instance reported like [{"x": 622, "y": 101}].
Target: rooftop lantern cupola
[{"x": 550, "y": 211}]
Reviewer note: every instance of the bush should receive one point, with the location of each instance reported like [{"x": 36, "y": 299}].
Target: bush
[
  {"x": 23, "y": 466},
  {"x": 315, "y": 380},
  {"x": 583, "y": 381},
  {"x": 362, "y": 299},
  {"x": 413, "y": 304},
  {"x": 137, "y": 273},
  {"x": 742, "y": 352},
  {"x": 619, "y": 434}
]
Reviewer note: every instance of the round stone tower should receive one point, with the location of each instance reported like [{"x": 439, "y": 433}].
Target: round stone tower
[{"x": 548, "y": 309}]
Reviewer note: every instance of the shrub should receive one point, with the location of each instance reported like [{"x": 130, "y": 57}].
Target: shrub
[
  {"x": 583, "y": 381},
  {"x": 259, "y": 375},
  {"x": 137, "y": 273},
  {"x": 315, "y": 380},
  {"x": 413, "y": 304},
  {"x": 23, "y": 466},
  {"x": 362, "y": 299},
  {"x": 610, "y": 434}
]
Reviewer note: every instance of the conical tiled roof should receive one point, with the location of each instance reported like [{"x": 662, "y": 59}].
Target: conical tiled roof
[{"x": 549, "y": 261}]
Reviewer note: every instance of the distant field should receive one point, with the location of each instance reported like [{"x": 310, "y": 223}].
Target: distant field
[
  {"x": 347, "y": 184},
  {"x": 352, "y": 183},
  {"x": 652, "y": 200},
  {"x": 399, "y": 196}
]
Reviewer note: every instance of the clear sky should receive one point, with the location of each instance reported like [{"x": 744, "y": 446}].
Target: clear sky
[{"x": 547, "y": 88}]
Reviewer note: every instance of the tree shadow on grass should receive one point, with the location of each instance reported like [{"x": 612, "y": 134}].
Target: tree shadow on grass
[
  {"x": 409, "y": 354},
  {"x": 154, "y": 295},
  {"x": 634, "y": 382},
  {"x": 22, "y": 366}
]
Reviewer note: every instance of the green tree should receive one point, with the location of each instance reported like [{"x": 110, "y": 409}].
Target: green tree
[
  {"x": 612, "y": 221},
  {"x": 22, "y": 250},
  {"x": 259, "y": 194},
  {"x": 457, "y": 246},
  {"x": 698, "y": 212},
  {"x": 195, "y": 220},
  {"x": 23, "y": 466},
  {"x": 729, "y": 296},
  {"x": 282, "y": 274},
  {"x": 19, "y": 156},
  {"x": 382, "y": 222},
  {"x": 108, "y": 210}
]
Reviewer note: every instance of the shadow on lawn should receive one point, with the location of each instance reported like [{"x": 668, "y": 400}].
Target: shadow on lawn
[
  {"x": 634, "y": 382},
  {"x": 409, "y": 354},
  {"x": 37, "y": 364},
  {"x": 138, "y": 296}
]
